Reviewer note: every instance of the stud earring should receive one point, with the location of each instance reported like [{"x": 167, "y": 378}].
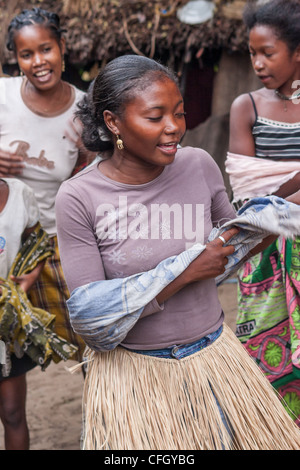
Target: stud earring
[{"x": 119, "y": 143}]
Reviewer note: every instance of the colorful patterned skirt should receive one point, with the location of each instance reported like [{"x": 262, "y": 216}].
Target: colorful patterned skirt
[
  {"x": 50, "y": 293},
  {"x": 268, "y": 321}
]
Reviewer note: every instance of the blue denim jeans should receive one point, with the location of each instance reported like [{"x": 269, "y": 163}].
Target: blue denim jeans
[{"x": 180, "y": 351}]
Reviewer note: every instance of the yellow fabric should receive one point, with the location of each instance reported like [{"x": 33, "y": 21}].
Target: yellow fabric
[
  {"x": 23, "y": 327},
  {"x": 50, "y": 293}
]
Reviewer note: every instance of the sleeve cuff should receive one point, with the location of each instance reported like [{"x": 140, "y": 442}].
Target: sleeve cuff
[{"x": 152, "y": 307}]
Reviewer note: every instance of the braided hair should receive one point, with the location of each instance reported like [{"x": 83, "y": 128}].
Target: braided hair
[{"x": 36, "y": 16}]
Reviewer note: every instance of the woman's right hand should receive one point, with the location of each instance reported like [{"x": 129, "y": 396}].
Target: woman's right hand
[
  {"x": 212, "y": 261},
  {"x": 10, "y": 164},
  {"x": 209, "y": 264}
]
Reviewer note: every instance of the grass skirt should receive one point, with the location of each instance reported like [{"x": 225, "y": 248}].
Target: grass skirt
[{"x": 138, "y": 402}]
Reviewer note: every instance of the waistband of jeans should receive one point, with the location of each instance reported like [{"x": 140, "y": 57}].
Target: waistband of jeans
[{"x": 183, "y": 350}]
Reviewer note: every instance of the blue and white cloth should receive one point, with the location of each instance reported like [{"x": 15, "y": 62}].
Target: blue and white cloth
[
  {"x": 103, "y": 312},
  {"x": 258, "y": 218}
]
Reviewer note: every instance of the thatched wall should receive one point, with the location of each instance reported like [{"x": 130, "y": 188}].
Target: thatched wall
[{"x": 99, "y": 30}]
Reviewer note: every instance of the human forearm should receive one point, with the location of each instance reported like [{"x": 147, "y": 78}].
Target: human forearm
[
  {"x": 295, "y": 197},
  {"x": 262, "y": 246},
  {"x": 290, "y": 190},
  {"x": 209, "y": 264},
  {"x": 175, "y": 286}
]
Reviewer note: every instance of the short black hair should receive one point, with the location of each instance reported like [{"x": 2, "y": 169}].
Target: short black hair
[{"x": 31, "y": 17}]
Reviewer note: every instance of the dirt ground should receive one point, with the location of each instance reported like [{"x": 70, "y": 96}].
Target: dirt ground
[{"x": 54, "y": 396}]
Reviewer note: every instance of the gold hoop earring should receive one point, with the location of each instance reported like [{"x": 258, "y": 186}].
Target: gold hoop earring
[{"x": 120, "y": 144}]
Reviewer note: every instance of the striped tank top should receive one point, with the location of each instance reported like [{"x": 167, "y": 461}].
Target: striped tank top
[{"x": 275, "y": 140}]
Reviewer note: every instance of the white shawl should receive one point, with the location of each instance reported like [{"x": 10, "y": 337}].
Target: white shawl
[{"x": 254, "y": 177}]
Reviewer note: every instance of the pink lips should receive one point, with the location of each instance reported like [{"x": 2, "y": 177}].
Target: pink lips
[
  {"x": 264, "y": 78},
  {"x": 44, "y": 77},
  {"x": 169, "y": 149}
]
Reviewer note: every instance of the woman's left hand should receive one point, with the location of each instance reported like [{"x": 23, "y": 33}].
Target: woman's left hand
[{"x": 26, "y": 281}]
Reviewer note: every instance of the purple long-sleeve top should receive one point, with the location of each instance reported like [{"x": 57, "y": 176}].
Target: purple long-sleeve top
[{"x": 108, "y": 229}]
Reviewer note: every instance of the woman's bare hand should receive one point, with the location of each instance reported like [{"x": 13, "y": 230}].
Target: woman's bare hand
[
  {"x": 10, "y": 164},
  {"x": 26, "y": 281},
  {"x": 209, "y": 264},
  {"x": 212, "y": 261}
]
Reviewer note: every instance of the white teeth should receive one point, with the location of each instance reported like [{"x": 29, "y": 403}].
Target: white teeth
[{"x": 41, "y": 74}]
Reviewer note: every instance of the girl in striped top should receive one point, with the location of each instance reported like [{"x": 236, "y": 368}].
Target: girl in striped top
[
  {"x": 273, "y": 139},
  {"x": 265, "y": 126}
]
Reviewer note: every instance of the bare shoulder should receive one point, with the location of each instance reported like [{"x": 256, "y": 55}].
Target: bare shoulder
[
  {"x": 242, "y": 111},
  {"x": 242, "y": 108},
  {"x": 243, "y": 103},
  {"x": 242, "y": 118}
]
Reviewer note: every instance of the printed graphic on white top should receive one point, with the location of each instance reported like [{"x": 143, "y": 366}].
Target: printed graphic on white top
[{"x": 2, "y": 244}]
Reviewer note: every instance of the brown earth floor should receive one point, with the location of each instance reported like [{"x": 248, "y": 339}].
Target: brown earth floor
[{"x": 54, "y": 396}]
